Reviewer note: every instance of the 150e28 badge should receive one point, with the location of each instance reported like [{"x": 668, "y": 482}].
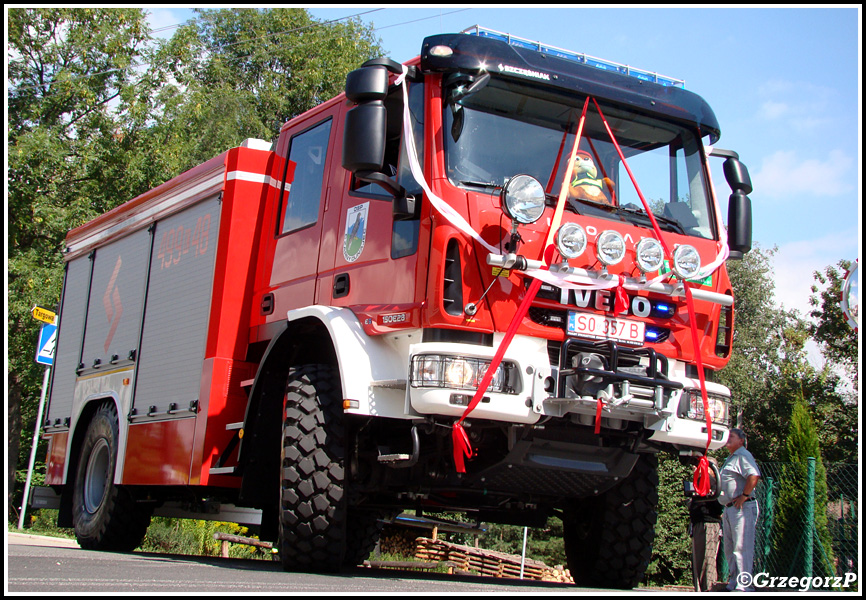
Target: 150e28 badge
[{"x": 355, "y": 234}]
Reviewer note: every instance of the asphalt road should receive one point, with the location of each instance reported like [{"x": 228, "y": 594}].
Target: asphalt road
[{"x": 50, "y": 565}]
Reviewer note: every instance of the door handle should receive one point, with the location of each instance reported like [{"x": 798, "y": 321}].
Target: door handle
[
  {"x": 341, "y": 285},
  {"x": 267, "y": 304}
]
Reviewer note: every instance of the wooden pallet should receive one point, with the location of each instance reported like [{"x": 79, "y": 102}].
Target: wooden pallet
[{"x": 486, "y": 562}]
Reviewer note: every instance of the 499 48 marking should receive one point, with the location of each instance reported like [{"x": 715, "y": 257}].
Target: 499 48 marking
[{"x": 179, "y": 241}]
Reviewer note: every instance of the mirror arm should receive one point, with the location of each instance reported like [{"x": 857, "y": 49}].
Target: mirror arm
[
  {"x": 383, "y": 181},
  {"x": 725, "y": 153}
]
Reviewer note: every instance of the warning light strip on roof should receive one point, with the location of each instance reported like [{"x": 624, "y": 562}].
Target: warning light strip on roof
[{"x": 577, "y": 57}]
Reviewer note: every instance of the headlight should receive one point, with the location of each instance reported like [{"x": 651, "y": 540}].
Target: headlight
[
  {"x": 456, "y": 372},
  {"x": 687, "y": 261},
  {"x": 650, "y": 255},
  {"x": 610, "y": 247},
  {"x": 523, "y": 199},
  {"x": 692, "y": 406},
  {"x": 571, "y": 240}
]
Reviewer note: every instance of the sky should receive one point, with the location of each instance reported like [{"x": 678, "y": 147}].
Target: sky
[{"x": 784, "y": 84}]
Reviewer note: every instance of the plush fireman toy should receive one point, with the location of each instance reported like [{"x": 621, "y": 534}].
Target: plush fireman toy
[{"x": 586, "y": 183}]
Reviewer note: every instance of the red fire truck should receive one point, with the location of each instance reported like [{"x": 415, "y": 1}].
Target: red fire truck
[{"x": 489, "y": 281}]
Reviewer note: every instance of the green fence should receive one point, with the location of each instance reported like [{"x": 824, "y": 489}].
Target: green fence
[{"x": 808, "y": 523}]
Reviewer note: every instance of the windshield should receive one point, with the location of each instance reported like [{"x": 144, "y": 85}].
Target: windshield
[{"x": 509, "y": 128}]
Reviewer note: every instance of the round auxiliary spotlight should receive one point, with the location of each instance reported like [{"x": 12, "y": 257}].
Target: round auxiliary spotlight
[
  {"x": 610, "y": 247},
  {"x": 649, "y": 255},
  {"x": 571, "y": 240},
  {"x": 687, "y": 261}
]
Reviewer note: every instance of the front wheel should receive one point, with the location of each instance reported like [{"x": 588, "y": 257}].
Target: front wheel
[
  {"x": 608, "y": 539},
  {"x": 312, "y": 510},
  {"x": 105, "y": 516}
]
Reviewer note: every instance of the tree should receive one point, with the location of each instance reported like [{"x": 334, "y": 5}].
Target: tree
[
  {"x": 838, "y": 341},
  {"x": 756, "y": 360},
  {"x": 66, "y": 69},
  {"x": 243, "y": 73},
  {"x": 792, "y": 524}
]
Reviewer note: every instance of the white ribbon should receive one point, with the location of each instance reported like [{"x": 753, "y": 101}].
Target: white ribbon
[{"x": 445, "y": 209}]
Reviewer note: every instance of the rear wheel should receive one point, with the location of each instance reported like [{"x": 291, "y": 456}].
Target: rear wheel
[
  {"x": 362, "y": 532},
  {"x": 608, "y": 539},
  {"x": 105, "y": 516}
]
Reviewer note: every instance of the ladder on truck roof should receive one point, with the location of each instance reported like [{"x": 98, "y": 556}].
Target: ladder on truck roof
[{"x": 584, "y": 59}]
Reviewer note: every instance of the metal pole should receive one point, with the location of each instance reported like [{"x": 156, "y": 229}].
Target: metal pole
[
  {"x": 26, "y": 499},
  {"x": 523, "y": 558}
]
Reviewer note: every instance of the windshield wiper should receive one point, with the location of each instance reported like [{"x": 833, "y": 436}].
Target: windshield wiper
[
  {"x": 633, "y": 210},
  {"x": 483, "y": 184}
]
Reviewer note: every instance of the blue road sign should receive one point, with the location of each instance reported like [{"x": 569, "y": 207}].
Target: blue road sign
[{"x": 46, "y": 345}]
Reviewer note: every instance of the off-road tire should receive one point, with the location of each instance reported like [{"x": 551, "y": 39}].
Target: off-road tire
[
  {"x": 105, "y": 516},
  {"x": 312, "y": 510},
  {"x": 608, "y": 539}
]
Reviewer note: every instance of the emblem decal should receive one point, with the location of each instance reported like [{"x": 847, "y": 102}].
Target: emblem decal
[{"x": 356, "y": 232}]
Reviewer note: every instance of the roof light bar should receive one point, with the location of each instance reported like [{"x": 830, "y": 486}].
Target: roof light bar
[{"x": 577, "y": 57}]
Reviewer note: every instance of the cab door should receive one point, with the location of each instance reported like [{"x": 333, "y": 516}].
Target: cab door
[
  {"x": 375, "y": 258},
  {"x": 293, "y": 234}
]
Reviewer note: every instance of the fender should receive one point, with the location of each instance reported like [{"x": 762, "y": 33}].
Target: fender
[
  {"x": 324, "y": 335},
  {"x": 373, "y": 369},
  {"x": 90, "y": 391},
  {"x": 77, "y": 430}
]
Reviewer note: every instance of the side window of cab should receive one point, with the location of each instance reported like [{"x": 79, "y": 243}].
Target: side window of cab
[
  {"x": 303, "y": 179},
  {"x": 404, "y": 234}
]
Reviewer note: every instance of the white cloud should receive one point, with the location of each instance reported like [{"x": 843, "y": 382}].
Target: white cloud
[
  {"x": 794, "y": 264},
  {"x": 773, "y": 110},
  {"x": 802, "y": 106},
  {"x": 791, "y": 173},
  {"x": 793, "y": 268}
]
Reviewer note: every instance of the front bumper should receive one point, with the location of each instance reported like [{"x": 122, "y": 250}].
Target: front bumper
[{"x": 571, "y": 380}]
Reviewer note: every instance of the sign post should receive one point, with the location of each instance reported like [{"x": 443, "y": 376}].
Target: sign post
[{"x": 44, "y": 356}]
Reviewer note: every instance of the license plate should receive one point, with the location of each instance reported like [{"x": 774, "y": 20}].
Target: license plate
[{"x": 599, "y": 327}]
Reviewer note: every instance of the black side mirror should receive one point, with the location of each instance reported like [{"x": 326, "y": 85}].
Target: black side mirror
[
  {"x": 739, "y": 204},
  {"x": 739, "y": 208},
  {"x": 364, "y": 137},
  {"x": 365, "y": 126}
]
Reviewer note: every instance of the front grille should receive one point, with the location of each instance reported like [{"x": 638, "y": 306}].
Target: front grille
[
  {"x": 548, "y": 317},
  {"x": 586, "y": 367}
]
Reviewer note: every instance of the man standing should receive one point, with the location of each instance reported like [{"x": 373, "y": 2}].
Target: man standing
[{"x": 739, "y": 476}]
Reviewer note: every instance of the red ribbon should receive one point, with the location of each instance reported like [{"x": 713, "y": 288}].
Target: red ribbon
[
  {"x": 462, "y": 447},
  {"x": 701, "y": 477},
  {"x": 620, "y": 304},
  {"x": 598, "y": 408},
  {"x": 461, "y": 444},
  {"x": 702, "y": 471}
]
